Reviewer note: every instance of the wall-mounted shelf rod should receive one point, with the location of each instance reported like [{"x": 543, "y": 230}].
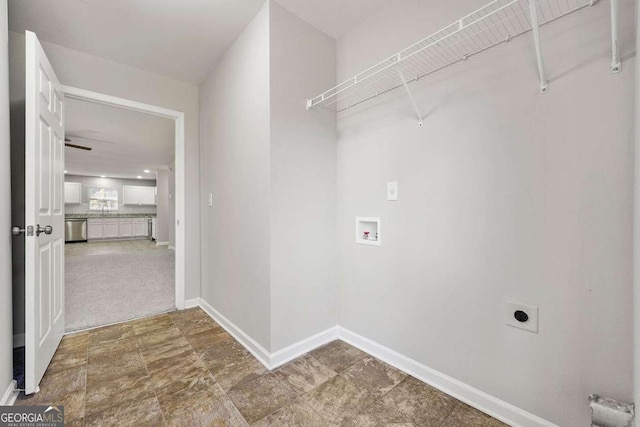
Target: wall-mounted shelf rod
[
  {"x": 497, "y": 22},
  {"x": 535, "y": 30},
  {"x": 413, "y": 101},
  {"x": 616, "y": 65}
]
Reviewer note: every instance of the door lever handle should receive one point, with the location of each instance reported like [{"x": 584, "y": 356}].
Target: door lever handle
[{"x": 46, "y": 230}]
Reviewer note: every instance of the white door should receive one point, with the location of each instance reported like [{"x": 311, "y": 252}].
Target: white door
[{"x": 44, "y": 210}]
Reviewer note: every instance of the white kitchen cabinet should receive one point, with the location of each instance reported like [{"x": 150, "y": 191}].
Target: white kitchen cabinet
[
  {"x": 116, "y": 228},
  {"x": 125, "y": 227},
  {"x": 140, "y": 228},
  {"x": 130, "y": 195},
  {"x": 95, "y": 229},
  {"x": 72, "y": 193},
  {"x": 148, "y": 195},
  {"x": 134, "y": 195},
  {"x": 111, "y": 229}
]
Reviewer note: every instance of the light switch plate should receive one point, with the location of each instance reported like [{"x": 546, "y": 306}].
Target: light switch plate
[
  {"x": 392, "y": 190},
  {"x": 530, "y": 325},
  {"x": 210, "y": 199}
]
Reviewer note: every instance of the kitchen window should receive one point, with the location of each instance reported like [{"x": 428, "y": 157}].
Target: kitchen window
[{"x": 100, "y": 198}]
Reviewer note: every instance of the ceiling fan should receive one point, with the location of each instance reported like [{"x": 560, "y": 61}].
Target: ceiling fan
[{"x": 67, "y": 143}]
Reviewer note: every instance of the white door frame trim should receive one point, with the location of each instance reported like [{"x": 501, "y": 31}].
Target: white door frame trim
[{"x": 178, "y": 116}]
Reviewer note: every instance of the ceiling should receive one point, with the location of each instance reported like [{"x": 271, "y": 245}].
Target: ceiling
[
  {"x": 177, "y": 38},
  {"x": 124, "y": 143},
  {"x": 333, "y": 17}
]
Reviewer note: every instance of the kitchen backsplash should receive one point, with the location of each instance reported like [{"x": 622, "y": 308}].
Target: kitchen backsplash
[{"x": 122, "y": 209}]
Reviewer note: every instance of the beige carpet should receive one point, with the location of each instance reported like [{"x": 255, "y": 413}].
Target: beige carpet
[{"x": 116, "y": 283}]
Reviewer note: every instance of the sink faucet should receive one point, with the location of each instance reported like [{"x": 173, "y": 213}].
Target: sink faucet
[{"x": 104, "y": 205}]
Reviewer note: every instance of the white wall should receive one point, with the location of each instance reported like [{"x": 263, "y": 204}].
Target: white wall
[
  {"x": 269, "y": 249},
  {"x": 303, "y": 182},
  {"x": 503, "y": 194},
  {"x": 162, "y": 189},
  {"x": 6, "y": 332},
  {"x": 234, "y": 111}
]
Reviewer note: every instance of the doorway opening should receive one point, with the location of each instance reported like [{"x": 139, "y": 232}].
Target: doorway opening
[
  {"x": 126, "y": 195},
  {"x": 118, "y": 197}
]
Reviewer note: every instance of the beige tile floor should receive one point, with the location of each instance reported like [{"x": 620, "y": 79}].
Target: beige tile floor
[{"x": 183, "y": 369}]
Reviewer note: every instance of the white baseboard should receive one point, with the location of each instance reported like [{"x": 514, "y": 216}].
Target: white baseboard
[
  {"x": 289, "y": 353},
  {"x": 162, "y": 243},
  {"x": 280, "y": 357},
  {"x": 18, "y": 340},
  {"x": 249, "y": 343},
  {"x": 192, "y": 303},
  {"x": 10, "y": 395},
  {"x": 480, "y": 400},
  {"x": 171, "y": 248}
]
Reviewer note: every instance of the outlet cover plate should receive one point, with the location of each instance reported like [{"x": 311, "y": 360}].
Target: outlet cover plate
[{"x": 530, "y": 325}]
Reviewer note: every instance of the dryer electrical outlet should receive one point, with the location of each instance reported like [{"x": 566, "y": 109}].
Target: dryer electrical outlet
[{"x": 521, "y": 316}]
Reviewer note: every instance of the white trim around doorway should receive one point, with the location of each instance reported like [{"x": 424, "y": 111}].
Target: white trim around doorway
[{"x": 178, "y": 116}]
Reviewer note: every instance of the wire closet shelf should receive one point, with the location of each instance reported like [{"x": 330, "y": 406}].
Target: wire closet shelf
[{"x": 495, "y": 23}]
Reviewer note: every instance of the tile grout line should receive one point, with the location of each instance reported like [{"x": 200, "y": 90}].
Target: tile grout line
[
  {"x": 277, "y": 409},
  {"x": 214, "y": 377},
  {"x": 223, "y": 390},
  {"x": 455, "y": 408},
  {"x": 86, "y": 380},
  {"x": 140, "y": 354},
  {"x": 207, "y": 368},
  {"x": 299, "y": 397},
  {"x": 146, "y": 368},
  {"x": 337, "y": 373},
  {"x": 304, "y": 394},
  {"x": 379, "y": 398}
]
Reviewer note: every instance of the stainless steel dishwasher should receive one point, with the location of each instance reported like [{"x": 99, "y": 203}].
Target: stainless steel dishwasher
[{"x": 75, "y": 230}]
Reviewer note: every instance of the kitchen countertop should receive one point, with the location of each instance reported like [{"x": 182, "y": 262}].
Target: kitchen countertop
[{"x": 111, "y": 215}]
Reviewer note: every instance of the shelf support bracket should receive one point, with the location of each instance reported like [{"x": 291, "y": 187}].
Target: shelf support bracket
[
  {"x": 616, "y": 65},
  {"x": 535, "y": 28},
  {"x": 413, "y": 101}
]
